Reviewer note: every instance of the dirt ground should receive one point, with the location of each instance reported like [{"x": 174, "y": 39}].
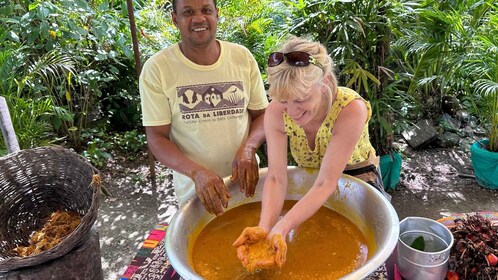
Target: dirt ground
[
  {"x": 434, "y": 183},
  {"x": 437, "y": 182}
]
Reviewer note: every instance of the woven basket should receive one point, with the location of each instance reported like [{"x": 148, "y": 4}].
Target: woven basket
[{"x": 34, "y": 183}]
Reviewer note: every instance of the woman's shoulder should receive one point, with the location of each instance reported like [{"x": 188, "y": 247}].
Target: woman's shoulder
[
  {"x": 345, "y": 96},
  {"x": 344, "y": 91},
  {"x": 275, "y": 112},
  {"x": 352, "y": 101},
  {"x": 275, "y": 116},
  {"x": 275, "y": 107}
]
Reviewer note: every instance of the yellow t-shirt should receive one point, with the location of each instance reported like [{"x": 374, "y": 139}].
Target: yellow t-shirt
[
  {"x": 205, "y": 105},
  {"x": 302, "y": 153}
]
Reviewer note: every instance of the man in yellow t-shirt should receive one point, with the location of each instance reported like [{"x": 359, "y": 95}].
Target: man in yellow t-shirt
[{"x": 203, "y": 103}]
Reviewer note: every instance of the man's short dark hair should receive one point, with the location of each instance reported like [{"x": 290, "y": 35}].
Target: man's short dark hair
[{"x": 174, "y": 4}]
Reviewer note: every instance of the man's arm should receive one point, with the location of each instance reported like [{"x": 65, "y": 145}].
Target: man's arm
[
  {"x": 209, "y": 187},
  {"x": 257, "y": 133},
  {"x": 245, "y": 167}
]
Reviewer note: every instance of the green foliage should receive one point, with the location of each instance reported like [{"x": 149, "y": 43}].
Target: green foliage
[
  {"x": 390, "y": 115},
  {"x": 30, "y": 115},
  {"x": 97, "y": 149},
  {"x": 403, "y": 56},
  {"x": 480, "y": 67},
  {"x": 450, "y": 48},
  {"x": 257, "y": 25},
  {"x": 357, "y": 34},
  {"x": 131, "y": 141},
  {"x": 432, "y": 46},
  {"x": 101, "y": 145},
  {"x": 10, "y": 68},
  {"x": 32, "y": 121},
  {"x": 77, "y": 55},
  {"x": 155, "y": 28}
]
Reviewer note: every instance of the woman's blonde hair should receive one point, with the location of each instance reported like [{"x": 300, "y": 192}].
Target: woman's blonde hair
[{"x": 289, "y": 82}]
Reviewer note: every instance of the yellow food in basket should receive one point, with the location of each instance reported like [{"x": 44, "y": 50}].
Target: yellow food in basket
[{"x": 59, "y": 225}]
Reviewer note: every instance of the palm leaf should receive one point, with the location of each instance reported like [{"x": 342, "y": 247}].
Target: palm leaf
[
  {"x": 486, "y": 87},
  {"x": 52, "y": 66}
]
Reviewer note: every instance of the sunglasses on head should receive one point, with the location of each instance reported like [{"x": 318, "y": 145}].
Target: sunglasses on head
[{"x": 297, "y": 59}]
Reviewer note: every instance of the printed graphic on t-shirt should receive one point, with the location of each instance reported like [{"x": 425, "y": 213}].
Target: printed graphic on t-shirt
[{"x": 209, "y": 102}]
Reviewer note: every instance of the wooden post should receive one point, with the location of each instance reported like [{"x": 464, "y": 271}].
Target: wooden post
[
  {"x": 138, "y": 68},
  {"x": 9, "y": 135}
]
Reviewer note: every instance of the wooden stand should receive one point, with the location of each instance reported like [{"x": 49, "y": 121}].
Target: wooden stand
[{"x": 83, "y": 262}]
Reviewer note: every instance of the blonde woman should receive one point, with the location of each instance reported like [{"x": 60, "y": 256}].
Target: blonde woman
[{"x": 327, "y": 128}]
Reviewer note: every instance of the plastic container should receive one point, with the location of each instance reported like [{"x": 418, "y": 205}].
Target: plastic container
[{"x": 485, "y": 164}]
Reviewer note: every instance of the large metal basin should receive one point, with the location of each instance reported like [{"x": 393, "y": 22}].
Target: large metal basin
[{"x": 361, "y": 203}]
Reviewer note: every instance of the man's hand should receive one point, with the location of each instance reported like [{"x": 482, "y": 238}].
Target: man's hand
[
  {"x": 211, "y": 191},
  {"x": 245, "y": 170}
]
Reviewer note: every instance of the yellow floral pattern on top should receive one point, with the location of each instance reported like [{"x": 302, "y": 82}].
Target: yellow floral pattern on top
[{"x": 302, "y": 153}]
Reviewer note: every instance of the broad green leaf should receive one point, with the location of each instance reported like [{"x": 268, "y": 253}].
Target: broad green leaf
[
  {"x": 33, "y": 6},
  {"x": 418, "y": 243}
]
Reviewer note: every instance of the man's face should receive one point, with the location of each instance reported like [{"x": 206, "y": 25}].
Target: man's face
[{"x": 197, "y": 21}]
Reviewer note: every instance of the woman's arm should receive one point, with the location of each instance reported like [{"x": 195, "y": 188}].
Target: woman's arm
[
  {"x": 345, "y": 135},
  {"x": 275, "y": 185}
]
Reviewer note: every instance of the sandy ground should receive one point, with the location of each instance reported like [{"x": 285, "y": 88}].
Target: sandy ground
[{"x": 434, "y": 184}]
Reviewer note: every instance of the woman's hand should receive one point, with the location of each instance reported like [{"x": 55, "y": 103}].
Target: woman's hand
[
  {"x": 280, "y": 247},
  {"x": 249, "y": 235},
  {"x": 252, "y": 235}
]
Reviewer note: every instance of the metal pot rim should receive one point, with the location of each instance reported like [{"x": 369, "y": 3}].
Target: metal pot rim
[{"x": 347, "y": 186}]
